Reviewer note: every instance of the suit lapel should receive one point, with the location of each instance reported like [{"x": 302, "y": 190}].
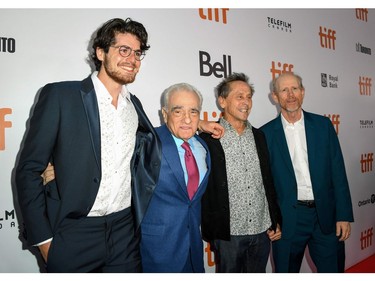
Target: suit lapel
[
  {"x": 171, "y": 156},
  {"x": 282, "y": 144},
  {"x": 208, "y": 163},
  {"x": 92, "y": 112},
  {"x": 311, "y": 138}
]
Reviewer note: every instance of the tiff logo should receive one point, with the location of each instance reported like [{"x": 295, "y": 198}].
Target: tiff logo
[
  {"x": 281, "y": 68},
  {"x": 364, "y": 86},
  {"x": 207, "y": 14},
  {"x": 335, "y": 119},
  {"x": 4, "y": 124},
  {"x": 327, "y": 38},
  {"x": 366, "y": 162},
  {"x": 210, "y": 257},
  {"x": 214, "y": 115},
  {"x": 366, "y": 238},
  {"x": 361, "y": 14}
]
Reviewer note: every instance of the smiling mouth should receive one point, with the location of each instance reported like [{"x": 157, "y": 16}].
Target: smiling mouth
[{"x": 128, "y": 68}]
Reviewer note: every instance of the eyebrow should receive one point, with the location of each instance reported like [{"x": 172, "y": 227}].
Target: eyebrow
[{"x": 181, "y": 107}]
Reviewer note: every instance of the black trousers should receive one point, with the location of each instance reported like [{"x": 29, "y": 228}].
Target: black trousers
[{"x": 97, "y": 244}]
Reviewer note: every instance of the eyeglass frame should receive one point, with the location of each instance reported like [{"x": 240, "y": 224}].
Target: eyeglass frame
[
  {"x": 179, "y": 112},
  {"x": 138, "y": 54}
]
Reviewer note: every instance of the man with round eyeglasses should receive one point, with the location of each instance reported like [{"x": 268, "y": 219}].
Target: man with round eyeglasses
[
  {"x": 106, "y": 158},
  {"x": 126, "y": 51}
]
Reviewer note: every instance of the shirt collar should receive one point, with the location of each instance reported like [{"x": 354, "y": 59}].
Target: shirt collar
[
  {"x": 299, "y": 124},
  {"x": 179, "y": 142},
  {"x": 228, "y": 127},
  {"x": 102, "y": 92}
]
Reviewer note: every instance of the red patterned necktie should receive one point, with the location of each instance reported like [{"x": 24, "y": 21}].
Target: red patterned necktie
[{"x": 192, "y": 170}]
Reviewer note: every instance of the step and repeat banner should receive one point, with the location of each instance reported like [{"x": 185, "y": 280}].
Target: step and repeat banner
[{"x": 332, "y": 49}]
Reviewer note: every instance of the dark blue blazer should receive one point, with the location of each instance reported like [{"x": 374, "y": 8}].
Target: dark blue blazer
[
  {"x": 171, "y": 227},
  {"x": 65, "y": 129},
  {"x": 327, "y": 171}
]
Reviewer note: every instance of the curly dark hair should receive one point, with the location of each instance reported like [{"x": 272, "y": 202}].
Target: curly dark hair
[{"x": 106, "y": 34}]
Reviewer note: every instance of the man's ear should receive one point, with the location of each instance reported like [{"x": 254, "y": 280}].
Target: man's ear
[
  {"x": 165, "y": 114},
  {"x": 275, "y": 97},
  {"x": 100, "y": 53},
  {"x": 222, "y": 102}
]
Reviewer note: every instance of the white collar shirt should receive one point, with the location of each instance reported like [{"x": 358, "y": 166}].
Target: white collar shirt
[
  {"x": 296, "y": 140},
  {"x": 118, "y": 128}
]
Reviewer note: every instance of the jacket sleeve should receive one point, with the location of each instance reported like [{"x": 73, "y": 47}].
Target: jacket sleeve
[{"x": 34, "y": 157}]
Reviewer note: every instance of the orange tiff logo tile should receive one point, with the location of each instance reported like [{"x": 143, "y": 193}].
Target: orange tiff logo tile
[{"x": 4, "y": 124}]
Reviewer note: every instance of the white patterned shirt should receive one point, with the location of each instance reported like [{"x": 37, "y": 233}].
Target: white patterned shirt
[
  {"x": 117, "y": 132},
  {"x": 249, "y": 213}
]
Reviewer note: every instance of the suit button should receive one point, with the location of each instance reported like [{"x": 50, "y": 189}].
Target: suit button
[{"x": 96, "y": 180}]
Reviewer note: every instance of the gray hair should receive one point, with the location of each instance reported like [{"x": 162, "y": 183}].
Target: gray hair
[{"x": 178, "y": 87}]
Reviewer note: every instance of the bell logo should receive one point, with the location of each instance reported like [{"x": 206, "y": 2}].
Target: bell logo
[
  {"x": 207, "y": 14},
  {"x": 282, "y": 68},
  {"x": 327, "y": 38},
  {"x": 335, "y": 119},
  {"x": 4, "y": 124},
  {"x": 218, "y": 69},
  {"x": 364, "y": 86},
  {"x": 361, "y": 14},
  {"x": 366, "y": 162},
  {"x": 366, "y": 238}
]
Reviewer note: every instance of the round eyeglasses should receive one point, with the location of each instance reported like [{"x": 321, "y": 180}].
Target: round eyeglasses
[
  {"x": 178, "y": 112},
  {"x": 125, "y": 51}
]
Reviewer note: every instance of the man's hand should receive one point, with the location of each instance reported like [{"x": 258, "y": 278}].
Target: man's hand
[
  {"x": 44, "y": 248},
  {"x": 48, "y": 174},
  {"x": 274, "y": 235},
  {"x": 343, "y": 230},
  {"x": 211, "y": 127}
]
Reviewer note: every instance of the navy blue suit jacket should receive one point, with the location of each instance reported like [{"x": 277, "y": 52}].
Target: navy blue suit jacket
[
  {"x": 327, "y": 171},
  {"x": 65, "y": 129},
  {"x": 171, "y": 226}
]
